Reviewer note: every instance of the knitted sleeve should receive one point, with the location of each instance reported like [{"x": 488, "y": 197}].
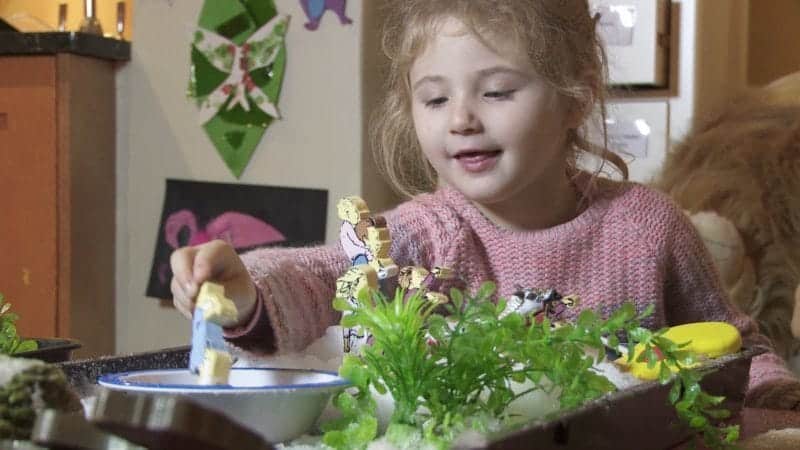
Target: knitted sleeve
[
  {"x": 295, "y": 286},
  {"x": 693, "y": 292}
]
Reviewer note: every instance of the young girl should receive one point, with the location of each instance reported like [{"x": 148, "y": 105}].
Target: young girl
[{"x": 483, "y": 127}]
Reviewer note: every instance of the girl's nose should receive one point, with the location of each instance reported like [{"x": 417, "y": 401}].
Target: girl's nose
[{"x": 463, "y": 119}]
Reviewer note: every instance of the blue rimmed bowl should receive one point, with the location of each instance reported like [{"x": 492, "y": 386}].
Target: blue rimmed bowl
[{"x": 280, "y": 404}]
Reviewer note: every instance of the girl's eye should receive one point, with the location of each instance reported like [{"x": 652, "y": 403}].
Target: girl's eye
[
  {"x": 438, "y": 101},
  {"x": 502, "y": 95}
]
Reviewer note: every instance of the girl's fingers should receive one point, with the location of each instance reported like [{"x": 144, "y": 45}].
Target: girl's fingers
[
  {"x": 182, "y": 302},
  {"x": 193, "y": 266},
  {"x": 212, "y": 261},
  {"x": 182, "y": 264}
]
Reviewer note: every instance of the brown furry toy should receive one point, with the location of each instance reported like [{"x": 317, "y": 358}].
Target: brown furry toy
[{"x": 743, "y": 166}]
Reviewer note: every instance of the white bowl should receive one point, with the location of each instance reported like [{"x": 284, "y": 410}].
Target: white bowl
[{"x": 280, "y": 404}]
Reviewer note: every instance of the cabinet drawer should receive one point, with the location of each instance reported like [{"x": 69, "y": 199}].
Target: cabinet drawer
[{"x": 28, "y": 161}]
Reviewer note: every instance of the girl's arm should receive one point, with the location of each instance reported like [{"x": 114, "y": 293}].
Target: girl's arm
[
  {"x": 693, "y": 293},
  {"x": 295, "y": 287}
]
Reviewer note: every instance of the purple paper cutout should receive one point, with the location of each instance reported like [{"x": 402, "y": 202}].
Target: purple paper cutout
[{"x": 314, "y": 10}]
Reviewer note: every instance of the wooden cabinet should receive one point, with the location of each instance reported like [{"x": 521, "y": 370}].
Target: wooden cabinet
[{"x": 57, "y": 196}]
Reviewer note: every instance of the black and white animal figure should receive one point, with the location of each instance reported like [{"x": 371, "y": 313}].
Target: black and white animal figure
[
  {"x": 533, "y": 302},
  {"x": 524, "y": 301}
]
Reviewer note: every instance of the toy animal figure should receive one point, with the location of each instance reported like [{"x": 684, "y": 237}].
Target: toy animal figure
[
  {"x": 523, "y": 301},
  {"x": 362, "y": 276},
  {"x": 378, "y": 242},
  {"x": 353, "y": 211},
  {"x": 538, "y": 303},
  {"x": 555, "y": 304},
  {"x": 314, "y": 10},
  {"x": 366, "y": 241},
  {"x": 414, "y": 278}
]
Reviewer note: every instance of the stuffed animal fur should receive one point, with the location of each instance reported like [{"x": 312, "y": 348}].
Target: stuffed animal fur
[
  {"x": 728, "y": 251},
  {"x": 743, "y": 165}
]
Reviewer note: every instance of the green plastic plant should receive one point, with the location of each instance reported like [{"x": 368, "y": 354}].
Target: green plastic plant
[
  {"x": 454, "y": 372},
  {"x": 10, "y": 342},
  {"x": 694, "y": 406}
]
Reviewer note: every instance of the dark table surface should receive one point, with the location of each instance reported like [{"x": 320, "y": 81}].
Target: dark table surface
[{"x": 16, "y": 43}]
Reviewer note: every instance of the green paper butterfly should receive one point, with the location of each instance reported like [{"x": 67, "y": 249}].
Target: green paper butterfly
[{"x": 238, "y": 60}]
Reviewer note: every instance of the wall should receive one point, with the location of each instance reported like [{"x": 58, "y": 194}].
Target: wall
[
  {"x": 708, "y": 59},
  {"x": 373, "y": 69},
  {"x": 318, "y": 144},
  {"x": 773, "y": 38}
]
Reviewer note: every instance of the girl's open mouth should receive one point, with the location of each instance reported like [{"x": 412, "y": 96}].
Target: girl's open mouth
[{"x": 478, "y": 161}]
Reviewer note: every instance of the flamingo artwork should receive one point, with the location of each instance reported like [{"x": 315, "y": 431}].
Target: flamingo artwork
[{"x": 240, "y": 230}]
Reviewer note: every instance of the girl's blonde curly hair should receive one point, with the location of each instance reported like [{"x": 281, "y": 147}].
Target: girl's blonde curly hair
[{"x": 556, "y": 36}]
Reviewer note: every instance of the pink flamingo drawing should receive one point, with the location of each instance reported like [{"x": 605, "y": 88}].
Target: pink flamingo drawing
[{"x": 238, "y": 229}]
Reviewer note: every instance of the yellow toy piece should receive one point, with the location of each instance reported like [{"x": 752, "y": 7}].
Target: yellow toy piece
[
  {"x": 355, "y": 279},
  {"x": 216, "y": 307},
  {"x": 348, "y": 286},
  {"x": 412, "y": 277},
  {"x": 352, "y": 209},
  {"x": 215, "y": 368},
  {"x": 378, "y": 242},
  {"x": 443, "y": 273},
  {"x": 436, "y": 297},
  {"x": 706, "y": 340}
]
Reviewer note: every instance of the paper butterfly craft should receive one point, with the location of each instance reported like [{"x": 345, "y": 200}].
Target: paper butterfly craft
[{"x": 238, "y": 62}]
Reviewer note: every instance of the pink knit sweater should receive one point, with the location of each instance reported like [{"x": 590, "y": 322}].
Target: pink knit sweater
[{"x": 629, "y": 243}]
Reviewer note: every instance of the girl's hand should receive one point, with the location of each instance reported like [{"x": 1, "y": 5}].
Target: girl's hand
[{"x": 213, "y": 261}]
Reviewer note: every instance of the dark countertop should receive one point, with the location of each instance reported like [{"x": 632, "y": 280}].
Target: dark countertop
[
  {"x": 16, "y": 43},
  {"x": 83, "y": 374}
]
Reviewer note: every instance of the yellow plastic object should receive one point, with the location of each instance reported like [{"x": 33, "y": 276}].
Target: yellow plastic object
[
  {"x": 215, "y": 368},
  {"x": 216, "y": 307},
  {"x": 707, "y": 340},
  {"x": 355, "y": 279}
]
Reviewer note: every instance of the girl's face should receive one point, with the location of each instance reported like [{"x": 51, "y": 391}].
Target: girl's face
[{"x": 490, "y": 126}]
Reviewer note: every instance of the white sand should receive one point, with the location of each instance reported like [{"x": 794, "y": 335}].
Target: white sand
[{"x": 323, "y": 354}]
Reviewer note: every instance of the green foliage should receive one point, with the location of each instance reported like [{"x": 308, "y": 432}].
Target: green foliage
[
  {"x": 10, "y": 342},
  {"x": 35, "y": 387},
  {"x": 695, "y": 407},
  {"x": 450, "y": 372}
]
